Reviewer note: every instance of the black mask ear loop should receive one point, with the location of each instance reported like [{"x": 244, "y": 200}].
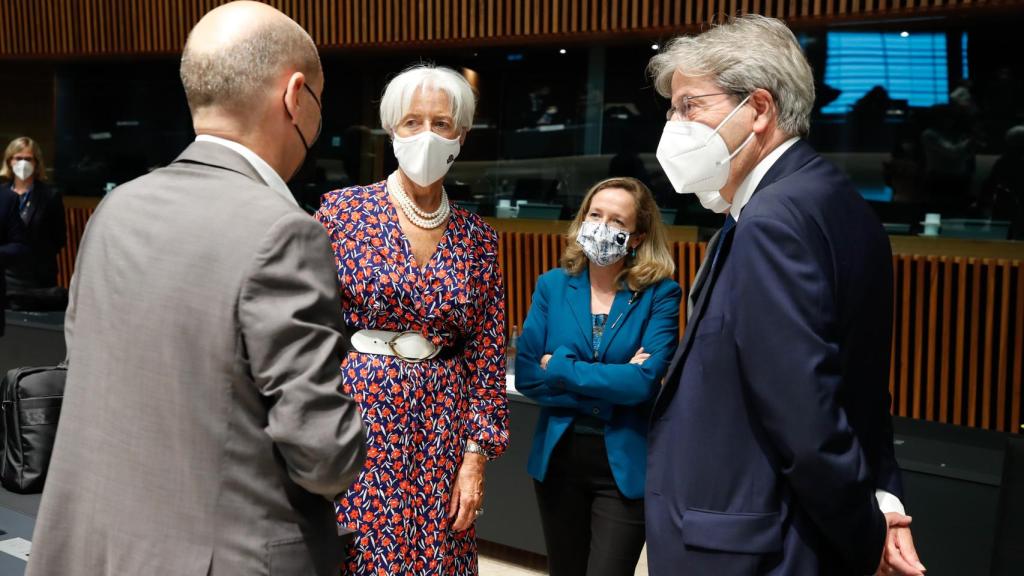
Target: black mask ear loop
[
  {"x": 305, "y": 145},
  {"x": 320, "y": 112},
  {"x": 320, "y": 124}
]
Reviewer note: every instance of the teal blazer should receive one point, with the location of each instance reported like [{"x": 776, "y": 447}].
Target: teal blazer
[{"x": 559, "y": 323}]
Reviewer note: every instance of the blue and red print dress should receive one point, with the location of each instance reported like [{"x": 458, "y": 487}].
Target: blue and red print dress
[{"x": 417, "y": 416}]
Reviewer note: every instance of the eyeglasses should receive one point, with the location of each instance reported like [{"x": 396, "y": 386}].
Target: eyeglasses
[{"x": 686, "y": 108}]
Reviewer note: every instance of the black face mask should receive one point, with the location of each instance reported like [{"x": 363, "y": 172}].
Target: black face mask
[{"x": 308, "y": 145}]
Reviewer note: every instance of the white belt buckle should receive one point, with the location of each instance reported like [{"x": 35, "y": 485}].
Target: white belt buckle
[
  {"x": 387, "y": 343},
  {"x": 393, "y": 346}
]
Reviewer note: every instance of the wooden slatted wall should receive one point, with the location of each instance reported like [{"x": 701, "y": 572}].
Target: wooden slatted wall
[
  {"x": 85, "y": 27},
  {"x": 958, "y": 326},
  {"x": 958, "y": 340},
  {"x": 76, "y": 214}
]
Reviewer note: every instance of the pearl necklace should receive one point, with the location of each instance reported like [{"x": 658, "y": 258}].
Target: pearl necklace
[{"x": 415, "y": 214}]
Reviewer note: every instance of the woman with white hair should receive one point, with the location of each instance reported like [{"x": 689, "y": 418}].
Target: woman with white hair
[{"x": 423, "y": 297}]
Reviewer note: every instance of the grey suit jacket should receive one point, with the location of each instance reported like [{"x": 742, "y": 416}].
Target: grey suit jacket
[{"x": 203, "y": 431}]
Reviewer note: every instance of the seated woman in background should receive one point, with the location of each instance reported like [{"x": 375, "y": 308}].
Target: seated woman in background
[
  {"x": 423, "y": 297},
  {"x": 32, "y": 280},
  {"x": 596, "y": 343}
]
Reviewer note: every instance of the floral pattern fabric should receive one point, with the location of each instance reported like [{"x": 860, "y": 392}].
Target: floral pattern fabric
[{"x": 418, "y": 416}]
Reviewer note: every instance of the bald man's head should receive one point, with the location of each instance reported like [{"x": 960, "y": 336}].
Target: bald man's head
[{"x": 235, "y": 53}]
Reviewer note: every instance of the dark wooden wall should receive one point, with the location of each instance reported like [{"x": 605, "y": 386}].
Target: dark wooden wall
[{"x": 96, "y": 27}]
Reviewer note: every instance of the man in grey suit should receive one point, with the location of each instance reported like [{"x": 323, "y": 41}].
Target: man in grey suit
[{"x": 203, "y": 431}]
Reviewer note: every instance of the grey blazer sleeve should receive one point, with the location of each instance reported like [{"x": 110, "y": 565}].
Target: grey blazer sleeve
[
  {"x": 69, "y": 316},
  {"x": 290, "y": 319}
]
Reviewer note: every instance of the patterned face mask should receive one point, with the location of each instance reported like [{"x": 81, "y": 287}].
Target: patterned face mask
[{"x": 603, "y": 244}]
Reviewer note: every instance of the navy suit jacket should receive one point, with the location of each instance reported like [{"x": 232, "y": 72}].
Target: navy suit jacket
[
  {"x": 773, "y": 430},
  {"x": 13, "y": 242},
  {"x": 608, "y": 387}
]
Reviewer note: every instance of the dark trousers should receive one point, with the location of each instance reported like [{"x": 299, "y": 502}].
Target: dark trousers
[{"x": 590, "y": 528}]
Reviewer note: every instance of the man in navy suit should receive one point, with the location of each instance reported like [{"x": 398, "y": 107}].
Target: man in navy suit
[{"x": 771, "y": 448}]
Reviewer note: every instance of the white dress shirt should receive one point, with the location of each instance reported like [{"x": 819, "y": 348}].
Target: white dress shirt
[
  {"x": 887, "y": 502},
  {"x": 269, "y": 175}
]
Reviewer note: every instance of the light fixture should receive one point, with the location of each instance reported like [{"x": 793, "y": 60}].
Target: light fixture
[
  {"x": 655, "y": 46},
  {"x": 562, "y": 51},
  {"x": 904, "y": 34}
]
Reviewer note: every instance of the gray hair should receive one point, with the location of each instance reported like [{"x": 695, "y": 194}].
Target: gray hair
[
  {"x": 745, "y": 54},
  {"x": 231, "y": 75},
  {"x": 399, "y": 91}
]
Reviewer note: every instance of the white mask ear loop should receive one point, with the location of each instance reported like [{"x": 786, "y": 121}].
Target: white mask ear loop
[
  {"x": 722, "y": 123},
  {"x": 727, "y": 118},
  {"x": 737, "y": 151}
]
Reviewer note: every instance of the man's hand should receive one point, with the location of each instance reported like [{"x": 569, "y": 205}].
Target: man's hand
[{"x": 899, "y": 556}]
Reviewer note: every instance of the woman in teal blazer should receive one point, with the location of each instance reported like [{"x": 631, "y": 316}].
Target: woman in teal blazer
[{"x": 596, "y": 343}]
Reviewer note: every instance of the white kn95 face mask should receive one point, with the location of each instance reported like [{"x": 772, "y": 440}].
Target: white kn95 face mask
[
  {"x": 425, "y": 157},
  {"x": 23, "y": 169},
  {"x": 696, "y": 159}
]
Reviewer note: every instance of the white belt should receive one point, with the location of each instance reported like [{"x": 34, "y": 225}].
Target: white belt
[{"x": 409, "y": 346}]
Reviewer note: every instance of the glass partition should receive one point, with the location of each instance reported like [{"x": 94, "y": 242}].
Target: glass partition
[{"x": 920, "y": 114}]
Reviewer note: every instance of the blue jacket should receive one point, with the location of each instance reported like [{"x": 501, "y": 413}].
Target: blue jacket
[
  {"x": 560, "y": 323},
  {"x": 772, "y": 431}
]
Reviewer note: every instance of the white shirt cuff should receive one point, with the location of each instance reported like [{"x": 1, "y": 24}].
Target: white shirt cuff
[{"x": 888, "y": 502}]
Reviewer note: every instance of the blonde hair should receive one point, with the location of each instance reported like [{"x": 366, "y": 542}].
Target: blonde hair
[
  {"x": 18, "y": 145},
  {"x": 652, "y": 261}
]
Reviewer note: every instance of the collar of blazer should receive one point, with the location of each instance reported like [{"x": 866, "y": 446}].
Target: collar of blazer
[
  {"x": 696, "y": 312},
  {"x": 578, "y": 297},
  {"x": 702, "y": 273},
  {"x": 793, "y": 159},
  {"x": 217, "y": 156},
  {"x": 798, "y": 155},
  {"x": 42, "y": 194}
]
